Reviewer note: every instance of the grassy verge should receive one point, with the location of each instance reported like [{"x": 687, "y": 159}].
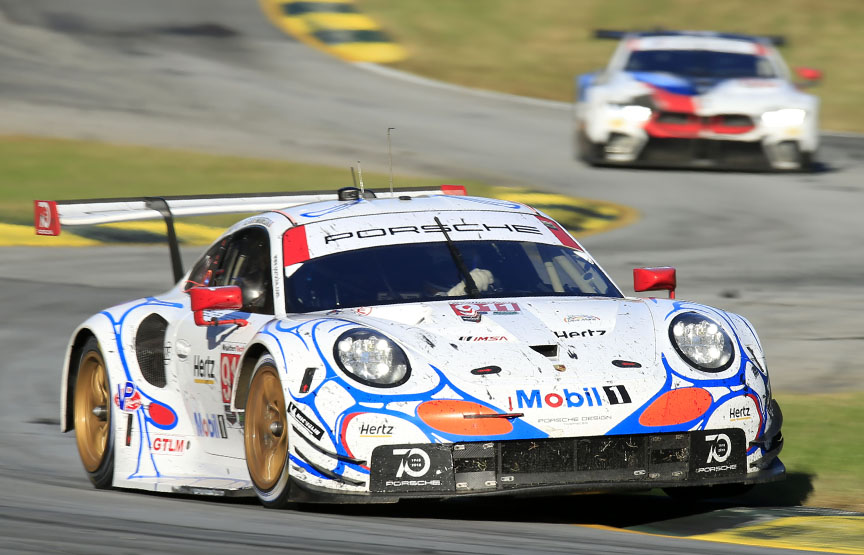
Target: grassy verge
[
  {"x": 535, "y": 49},
  {"x": 823, "y": 441}
]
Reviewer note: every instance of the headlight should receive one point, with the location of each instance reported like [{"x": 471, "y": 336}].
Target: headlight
[
  {"x": 786, "y": 116},
  {"x": 371, "y": 359},
  {"x": 631, "y": 112},
  {"x": 701, "y": 342}
]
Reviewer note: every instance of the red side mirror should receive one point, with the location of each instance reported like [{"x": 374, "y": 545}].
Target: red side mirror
[
  {"x": 808, "y": 73},
  {"x": 655, "y": 279},
  {"x": 227, "y": 297}
]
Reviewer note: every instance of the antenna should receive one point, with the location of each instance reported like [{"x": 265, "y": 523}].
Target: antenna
[
  {"x": 360, "y": 177},
  {"x": 353, "y": 176},
  {"x": 390, "y": 154}
]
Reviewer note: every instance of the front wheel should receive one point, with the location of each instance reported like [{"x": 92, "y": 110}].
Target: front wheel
[
  {"x": 266, "y": 435},
  {"x": 92, "y": 413}
]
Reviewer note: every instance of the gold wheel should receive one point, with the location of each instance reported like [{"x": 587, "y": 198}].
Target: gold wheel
[
  {"x": 266, "y": 435},
  {"x": 92, "y": 410}
]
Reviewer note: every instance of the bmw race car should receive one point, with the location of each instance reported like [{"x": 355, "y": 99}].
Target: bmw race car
[
  {"x": 367, "y": 349},
  {"x": 696, "y": 99}
]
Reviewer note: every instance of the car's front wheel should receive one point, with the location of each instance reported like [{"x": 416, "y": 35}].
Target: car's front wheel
[
  {"x": 266, "y": 435},
  {"x": 92, "y": 413}
]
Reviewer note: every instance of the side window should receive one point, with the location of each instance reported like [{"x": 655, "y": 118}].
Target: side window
[
  {"x": 204, "y": 270},
  {"x": 246, "y": 262}
]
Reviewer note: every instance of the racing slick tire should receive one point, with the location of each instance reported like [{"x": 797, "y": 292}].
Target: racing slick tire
[
  {"x": 266, "y": 435},
  {"x": 698, "y": 493},
  {"x": 94, "y": 433},
  {"x": 586, "y": 151}
]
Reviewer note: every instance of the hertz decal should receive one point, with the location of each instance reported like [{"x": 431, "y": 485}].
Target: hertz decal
[{"x": 336, "y": 27}]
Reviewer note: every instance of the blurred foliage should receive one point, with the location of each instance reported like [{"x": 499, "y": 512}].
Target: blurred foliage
[{"x": 535, "y": 49}]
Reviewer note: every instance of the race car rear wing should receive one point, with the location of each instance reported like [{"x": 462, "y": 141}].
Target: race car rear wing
[
  {"x": 50, "y": 215},
  {"x": 776, "y": 40}
]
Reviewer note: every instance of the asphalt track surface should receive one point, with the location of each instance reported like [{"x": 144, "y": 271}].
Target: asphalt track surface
[{"x": 784, "y": 250}]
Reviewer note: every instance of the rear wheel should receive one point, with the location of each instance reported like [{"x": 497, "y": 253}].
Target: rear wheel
[
  {"x": 266, "y": 435},
  {"x": 92, "y": 413}
]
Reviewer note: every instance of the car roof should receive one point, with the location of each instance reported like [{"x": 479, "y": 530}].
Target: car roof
[
  {"x": 384, "y": 205},
  {"x": 705, "y": 34}
]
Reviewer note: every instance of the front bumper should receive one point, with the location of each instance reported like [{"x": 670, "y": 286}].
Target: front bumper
[
  {"x": 556, "y": 466},
  {"x": 705, "y": 153}
]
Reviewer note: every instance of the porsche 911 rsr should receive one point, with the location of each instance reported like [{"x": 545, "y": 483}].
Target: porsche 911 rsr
[
  {"x": 696, "y": 99},
  {"x": 363, "y": 349}
]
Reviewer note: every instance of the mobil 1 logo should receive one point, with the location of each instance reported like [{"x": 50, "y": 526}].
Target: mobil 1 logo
[
  {"x": 404, "y": 468},
  {"x": 717, "y": 453}
]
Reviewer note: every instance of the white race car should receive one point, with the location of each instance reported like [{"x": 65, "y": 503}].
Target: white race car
[
  {"x": 364, "y": 349},
  {"x": 696, "y": 99}
]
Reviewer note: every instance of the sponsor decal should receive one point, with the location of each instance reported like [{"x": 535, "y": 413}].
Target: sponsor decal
[
  {"x": 414, "y": 463},
  {"x": 579, "y": 318},
  {"x": 718, "y": 452},
  {"x": 585, "y": 333},
  {"x": 412, "y": 468},
  {"x": 471, "y": 312},
  {"x": 612, "y": 394},
  {"x": 127, "y": 398},
  {"x": 721, "y": 448},
  {"x": 169, "y": 445},
  {"x": 166, "y": 351},
  {"x": 210, "y": 425},
  {"x": 307, "y": 423},
  {"x": 204, "y": 370},
  {"x": 739, "y": 414},
  {"x": 575, "y": 419},
  {"x": 483, "y": 338},
  {"x": 381, "y": 430},
  {"x": 266, "y": 222},
  {"x": 431, "y": 228}
]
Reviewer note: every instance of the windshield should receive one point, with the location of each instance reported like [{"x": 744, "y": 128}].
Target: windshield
[
  {"x": 700, "y": 63},
  {"x": 427, "y": 272}
]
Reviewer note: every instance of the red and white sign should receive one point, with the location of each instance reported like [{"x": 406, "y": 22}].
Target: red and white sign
[
  {"x": 168, "y": 445},
  {"x": 473, "y": 309},
  {"x": 45, "y": 217},
  {"x": 229, "y": 365}
]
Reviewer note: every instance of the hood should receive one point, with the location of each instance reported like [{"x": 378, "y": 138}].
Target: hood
[
  {"x": 718, "y": 96},
  {"x": 597, "y": 357}
]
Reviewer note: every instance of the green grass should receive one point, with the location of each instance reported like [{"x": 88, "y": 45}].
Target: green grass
[
  {"x": 535, "y": 49},
  {"x": 823, "y": 440}
]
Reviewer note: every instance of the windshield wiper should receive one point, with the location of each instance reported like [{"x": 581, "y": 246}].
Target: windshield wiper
[{"x": 470, "y": 286}]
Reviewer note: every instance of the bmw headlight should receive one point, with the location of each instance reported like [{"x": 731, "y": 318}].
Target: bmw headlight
[
  {"x": 371, "y": 358},
  {"x": 631, "y": 112},
  {"x": 784, "y": 117},
  {"x": 701, "y": 342}
]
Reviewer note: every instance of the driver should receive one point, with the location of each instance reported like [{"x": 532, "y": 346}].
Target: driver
[{"x": 482, "y": 279}]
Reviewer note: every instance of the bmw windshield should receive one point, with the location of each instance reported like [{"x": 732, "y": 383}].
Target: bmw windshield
[
  {"x": 428, "y": 272},
  {"x": 701, "y": 63}
]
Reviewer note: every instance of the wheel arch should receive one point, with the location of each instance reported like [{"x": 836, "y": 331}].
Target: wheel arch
[
  {"x": 244, "y": 376},
  {"x": 70, "y": 373}
]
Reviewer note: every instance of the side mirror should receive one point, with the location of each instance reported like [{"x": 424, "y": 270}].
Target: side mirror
[
  {"x": 655, "y": 279},
  {"x": 227, "y": 297},
  {"x": 811, "y": 76}
]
